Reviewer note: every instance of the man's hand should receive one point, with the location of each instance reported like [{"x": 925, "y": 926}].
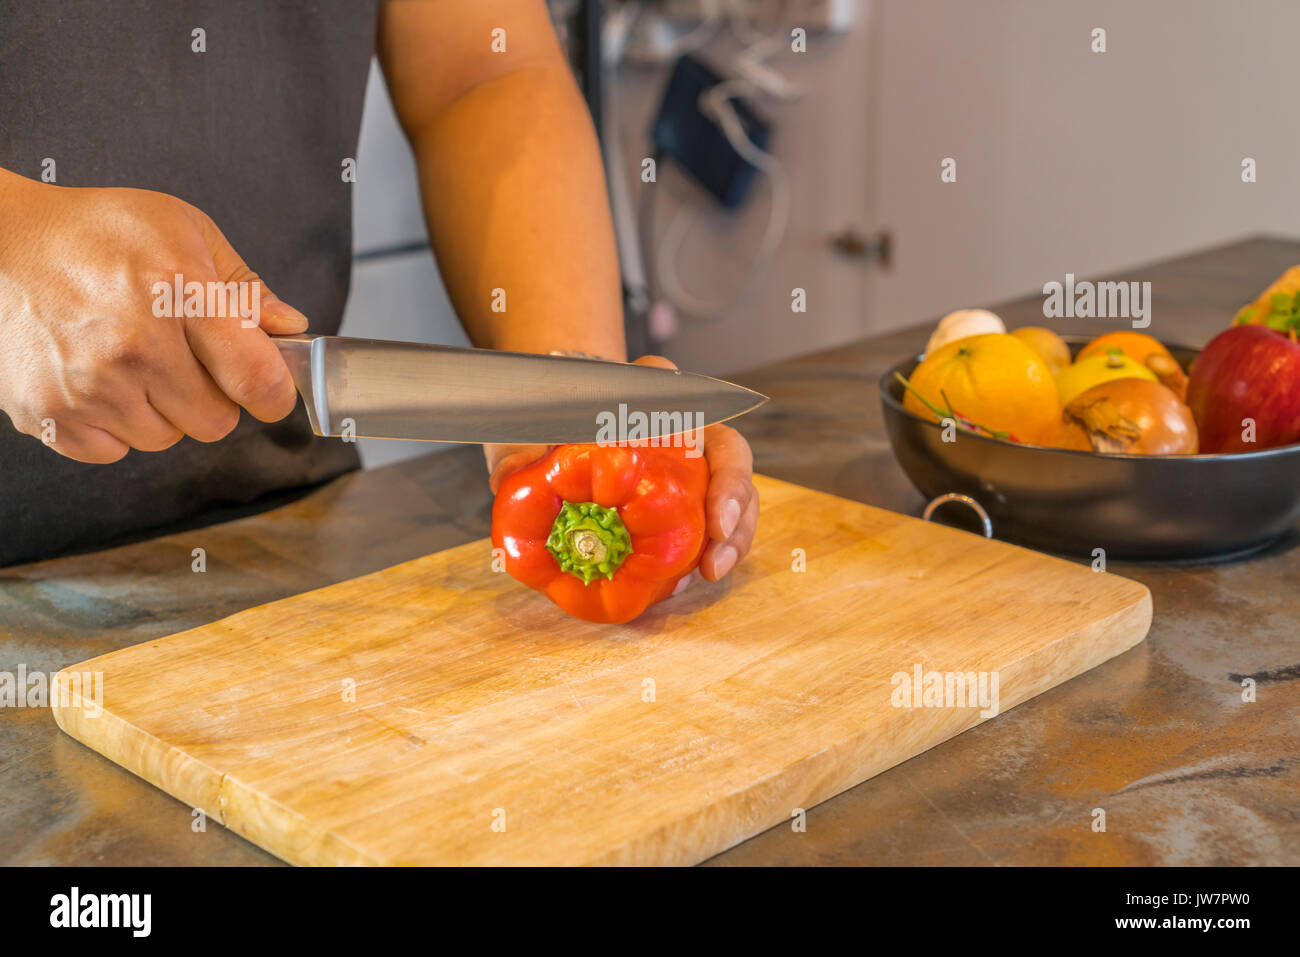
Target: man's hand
[
  {"x": 732, "y": 506},
  {"x": 81, "y": 347}
]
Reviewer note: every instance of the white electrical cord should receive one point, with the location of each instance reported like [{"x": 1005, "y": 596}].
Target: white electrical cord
[
  {"x": 615, "y": 36},
  {"x": 689, "y": 42},
  {"x": 716, "y": 103},
  {"x": 750, "y": 62},
  {"x": 624, "y": 30}
]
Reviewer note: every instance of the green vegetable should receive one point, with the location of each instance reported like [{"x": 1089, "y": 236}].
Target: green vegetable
[
  {"x": 1283, "y": 313},
  {"x": 589, "y": 540}
]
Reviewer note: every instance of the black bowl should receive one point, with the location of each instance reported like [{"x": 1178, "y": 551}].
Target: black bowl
[{"x": 1135, "y": 507}]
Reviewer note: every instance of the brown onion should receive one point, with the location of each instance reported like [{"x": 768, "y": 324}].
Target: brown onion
[{"x": 1137, "y": 416}]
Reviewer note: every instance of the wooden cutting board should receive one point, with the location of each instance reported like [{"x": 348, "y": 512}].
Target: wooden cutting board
[{"x": 440, "y": 712}]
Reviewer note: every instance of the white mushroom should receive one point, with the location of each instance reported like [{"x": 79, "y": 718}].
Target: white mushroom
[{"x": 963, "y": 323}]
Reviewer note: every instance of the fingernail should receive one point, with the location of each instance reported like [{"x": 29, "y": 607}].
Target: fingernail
[
  {"x": 730, "y": 516},
  {"x": 725, "y": 561},
  {"x": 285, "y": 316},
  {"x": 682, "y": 585}
]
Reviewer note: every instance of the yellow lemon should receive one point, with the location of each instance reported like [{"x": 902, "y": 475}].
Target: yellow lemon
[{"x": 1085, "y": 373}]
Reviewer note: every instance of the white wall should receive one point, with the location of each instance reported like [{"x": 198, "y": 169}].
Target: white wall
[{"x": 1070, "y": 161}]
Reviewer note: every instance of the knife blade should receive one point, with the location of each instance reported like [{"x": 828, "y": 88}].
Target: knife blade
[{"x": 375, "y": 388}]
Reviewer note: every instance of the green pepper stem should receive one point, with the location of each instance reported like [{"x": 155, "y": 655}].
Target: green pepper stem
[{"x": 589, "y": 540}]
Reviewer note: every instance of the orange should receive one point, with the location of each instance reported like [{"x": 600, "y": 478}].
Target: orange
[
  {"x": 995, "y": 381},
  {"x": 1047, "y": 344},
  {"x": 1136, "y": 345}
]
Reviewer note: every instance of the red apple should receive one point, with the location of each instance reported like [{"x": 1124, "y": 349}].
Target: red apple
[{"x": 1246, "y": 372}]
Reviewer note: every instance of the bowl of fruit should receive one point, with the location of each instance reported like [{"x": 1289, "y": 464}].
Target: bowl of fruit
[{"x": 1119, "y": 446}]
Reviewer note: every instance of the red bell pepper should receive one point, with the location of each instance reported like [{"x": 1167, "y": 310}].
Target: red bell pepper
[{"x": 603, "y": 531}]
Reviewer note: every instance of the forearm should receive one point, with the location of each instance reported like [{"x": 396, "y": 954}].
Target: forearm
[
  {"x": 515, "y": 201},
  {"x": 16, "y": 220}
]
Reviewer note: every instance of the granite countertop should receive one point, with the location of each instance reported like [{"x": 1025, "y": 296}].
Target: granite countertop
[{"x": 1159, "y": 737}]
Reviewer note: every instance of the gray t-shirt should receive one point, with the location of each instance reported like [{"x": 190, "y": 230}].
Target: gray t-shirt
[{"x": 254, "y": 132}]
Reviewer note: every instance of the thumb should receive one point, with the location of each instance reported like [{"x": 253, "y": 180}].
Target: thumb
[
  {"x": 278, "y": 318},
  {"x": 504, "y": 459},
  {"x": 275, "y": 316},
  {"x": 659, "y": 362}
]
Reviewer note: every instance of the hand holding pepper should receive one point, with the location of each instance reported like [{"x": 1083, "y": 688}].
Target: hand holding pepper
[{"x": 731, "y": 502}]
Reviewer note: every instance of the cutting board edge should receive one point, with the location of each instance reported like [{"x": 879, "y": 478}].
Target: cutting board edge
[
  {"x": 330, "y": 848},
  {"x": 98, "y": 731},
  {"x": 760, "y": 479},
  {"x": 188, "y": 779}
]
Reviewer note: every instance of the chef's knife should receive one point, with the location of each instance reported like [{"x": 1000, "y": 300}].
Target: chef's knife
[{"x": 406, "y": 390}]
